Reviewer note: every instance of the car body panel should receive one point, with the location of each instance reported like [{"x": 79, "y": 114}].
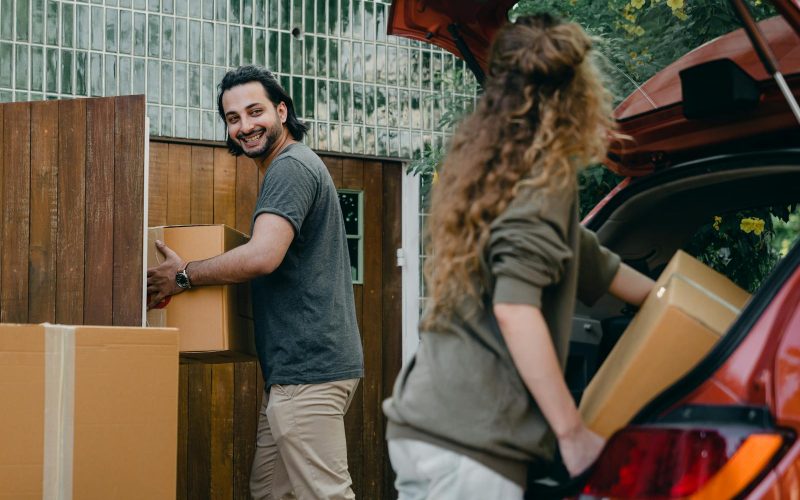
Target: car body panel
[{"x": 428, "y": 20}]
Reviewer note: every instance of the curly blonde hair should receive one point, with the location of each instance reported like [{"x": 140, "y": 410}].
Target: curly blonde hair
[{"x": 545, "y": 114}]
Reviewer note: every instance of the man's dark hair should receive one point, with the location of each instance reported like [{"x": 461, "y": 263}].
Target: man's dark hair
[{"x": 276, "y": 94}]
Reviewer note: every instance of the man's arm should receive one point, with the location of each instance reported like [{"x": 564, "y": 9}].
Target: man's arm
[
  {"x": 272, "y": 235},
  {"x": 630, "y": 285}
]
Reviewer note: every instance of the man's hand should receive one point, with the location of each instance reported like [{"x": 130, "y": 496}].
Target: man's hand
[{"x": 161, "y": 280}]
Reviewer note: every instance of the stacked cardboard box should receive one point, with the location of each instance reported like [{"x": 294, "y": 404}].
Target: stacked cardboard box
[
  {"x": 88, "y": 412},
  {"x": 690, "y": 308},
  {"x": 210, "y": 318}
]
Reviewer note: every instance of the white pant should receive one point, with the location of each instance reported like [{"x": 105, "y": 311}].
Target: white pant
[{"x": 425, "y": 471}]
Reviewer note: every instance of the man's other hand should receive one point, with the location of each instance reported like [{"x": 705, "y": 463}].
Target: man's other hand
[{"x": 161, "y": 279}]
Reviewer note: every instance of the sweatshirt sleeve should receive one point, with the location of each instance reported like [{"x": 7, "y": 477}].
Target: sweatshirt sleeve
[
  {"x": 596, "y": 268},
  {"x": 527, "y": 251}
]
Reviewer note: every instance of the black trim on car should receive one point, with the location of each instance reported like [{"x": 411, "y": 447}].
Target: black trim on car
[
  {"x": 750, "y": 416},
  {"x": 689, "y": 169}
]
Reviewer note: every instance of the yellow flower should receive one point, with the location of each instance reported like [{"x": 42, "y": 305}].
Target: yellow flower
[
  {"x": 784, "y": 247},
  {"x": 680, "y": 14},
  {"x": 638, "y": 31},
  {"x": 752, "y": 225},
  {"x": 637, "y": 3},
  {"x": 629, "y": 17},
  {"x": 717, "y": 221},
  {"x": 675, "y": 4},
  {"x": 633, "y": 55}
]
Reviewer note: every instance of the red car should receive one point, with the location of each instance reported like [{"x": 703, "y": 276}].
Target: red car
[{"x": 712, "y": 133}]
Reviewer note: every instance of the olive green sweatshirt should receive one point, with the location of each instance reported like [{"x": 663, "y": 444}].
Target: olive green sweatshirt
[{"x": 461, "y": 391}]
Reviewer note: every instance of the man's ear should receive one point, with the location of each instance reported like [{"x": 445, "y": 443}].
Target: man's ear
[{"x": 283, "y": 111}]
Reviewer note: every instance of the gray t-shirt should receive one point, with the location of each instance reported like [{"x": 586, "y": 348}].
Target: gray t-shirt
[{"x": 305, "y": 319}]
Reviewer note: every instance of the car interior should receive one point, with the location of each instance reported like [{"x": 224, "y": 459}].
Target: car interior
[{"x": 659, "y": 215}]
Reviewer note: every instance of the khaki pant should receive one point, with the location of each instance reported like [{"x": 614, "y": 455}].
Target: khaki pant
[{"x": 300, "y": 448}]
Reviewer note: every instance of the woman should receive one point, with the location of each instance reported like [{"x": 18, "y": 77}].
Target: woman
[{"x": 485, "y": 397}]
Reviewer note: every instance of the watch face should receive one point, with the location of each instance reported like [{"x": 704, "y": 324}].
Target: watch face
[{"x": 182, "y": 279}]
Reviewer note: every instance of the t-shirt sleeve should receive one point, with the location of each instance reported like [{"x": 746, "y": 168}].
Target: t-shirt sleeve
[
  {"x": 289, "y": 191},
  {"x": 527, "y": 252},
  {"x": 597, "y": 267}
]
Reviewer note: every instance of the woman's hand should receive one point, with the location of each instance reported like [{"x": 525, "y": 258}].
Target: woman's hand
[{"x": 580, "y": 449}]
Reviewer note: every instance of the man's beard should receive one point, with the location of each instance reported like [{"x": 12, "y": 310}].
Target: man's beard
[{"x": 271, "y": 136}]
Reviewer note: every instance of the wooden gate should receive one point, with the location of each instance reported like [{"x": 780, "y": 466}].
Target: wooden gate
[{"x": 204, "y": 184}]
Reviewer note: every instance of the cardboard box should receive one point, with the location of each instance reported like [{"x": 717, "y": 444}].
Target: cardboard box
[
  {"x": 690, "y": 308},
  {"x": 210, "y": 318},
  {"x": 88, "y": 412}
]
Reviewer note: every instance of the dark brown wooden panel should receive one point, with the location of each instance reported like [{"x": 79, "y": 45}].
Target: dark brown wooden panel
[
  {"x": 158, "y": 184},
  {"x": 247, "y": 187},
  {"x": 179, "y": 189},
  {"x": 71, "y": 211},
  {"x": 182, "y": 492},
  {"x": 199, "y": 423},
  {"x": 352, "y": 173},
  {"x": 202, "y": 185},
  {"x": 334, "y": 165},
  {"x": 224, "y": 188},
  {"x": 392, "y": 288},
  {"x": 129, "y": 132},
  {"x": 246, "y": 406},
  {"x": 373, "y": 434},
  {"x": 222, "y": 413},
  {"x": 44, "y": 213},
  {"x": 15, "y": 213},
  {"x": 98, "y": 308}
]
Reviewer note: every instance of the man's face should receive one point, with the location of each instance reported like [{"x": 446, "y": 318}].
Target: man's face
[{"x": 254, "y": 123}]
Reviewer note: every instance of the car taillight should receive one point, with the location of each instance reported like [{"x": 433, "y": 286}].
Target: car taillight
[{"x": 664, "y": 463}]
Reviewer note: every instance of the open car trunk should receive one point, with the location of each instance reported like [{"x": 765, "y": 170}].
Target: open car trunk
[{"x": 646, "y": 223}]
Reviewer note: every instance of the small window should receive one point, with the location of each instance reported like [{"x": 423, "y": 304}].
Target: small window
[{"x": 352, "y": 203}]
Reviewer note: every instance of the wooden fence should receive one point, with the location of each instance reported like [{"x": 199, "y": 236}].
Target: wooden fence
[{"x": 72, "y": 202}]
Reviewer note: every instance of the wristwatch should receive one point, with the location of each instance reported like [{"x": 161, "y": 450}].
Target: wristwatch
[{"x": 182, "y": 279}]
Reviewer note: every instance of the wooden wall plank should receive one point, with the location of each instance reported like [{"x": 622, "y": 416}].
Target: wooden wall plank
[
  {"x": 334, "y": 164},
  {"x": 246, "y": 405},
  {"x": 199, "y": 448},
  {"x": 247, "y": 188},
  {"x": 224, "y": 188},
  {"x": 44, "y": 213},
  {"x": 354, "y": 418},
  {"x": 15, "y": 213},
  {"x": 202, "y": 185},
  {"x": 353, "y": 173},
  {"x": 354, "y": 426},
  {"x": 392, "y": 289},
  {"x": 71, "y": 211},
  {"x": 158, "y": 184},
  {"x": 222, "y": 411},
  {"x": 373, "y": 434},
  {"x": 129, "y": 132},
  {"x": 179, "y": 178},
  {"x": 98, "y": 307},
  {"x": 182, "y": 492}
]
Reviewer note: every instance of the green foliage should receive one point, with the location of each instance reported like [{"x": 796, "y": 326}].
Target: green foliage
[
  {"x": 744, "y": 257},
  {"x": 638, "y": 38}
]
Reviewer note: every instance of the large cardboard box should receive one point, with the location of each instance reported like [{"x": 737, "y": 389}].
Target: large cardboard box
[
  {"x": 691, "y": 306},
  {"x": 210, "y": 318},
  {"x": 88, "y": 412}
]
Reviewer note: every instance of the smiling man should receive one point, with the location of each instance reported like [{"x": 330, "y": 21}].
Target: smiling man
[{"x": 299, "y": 268}]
